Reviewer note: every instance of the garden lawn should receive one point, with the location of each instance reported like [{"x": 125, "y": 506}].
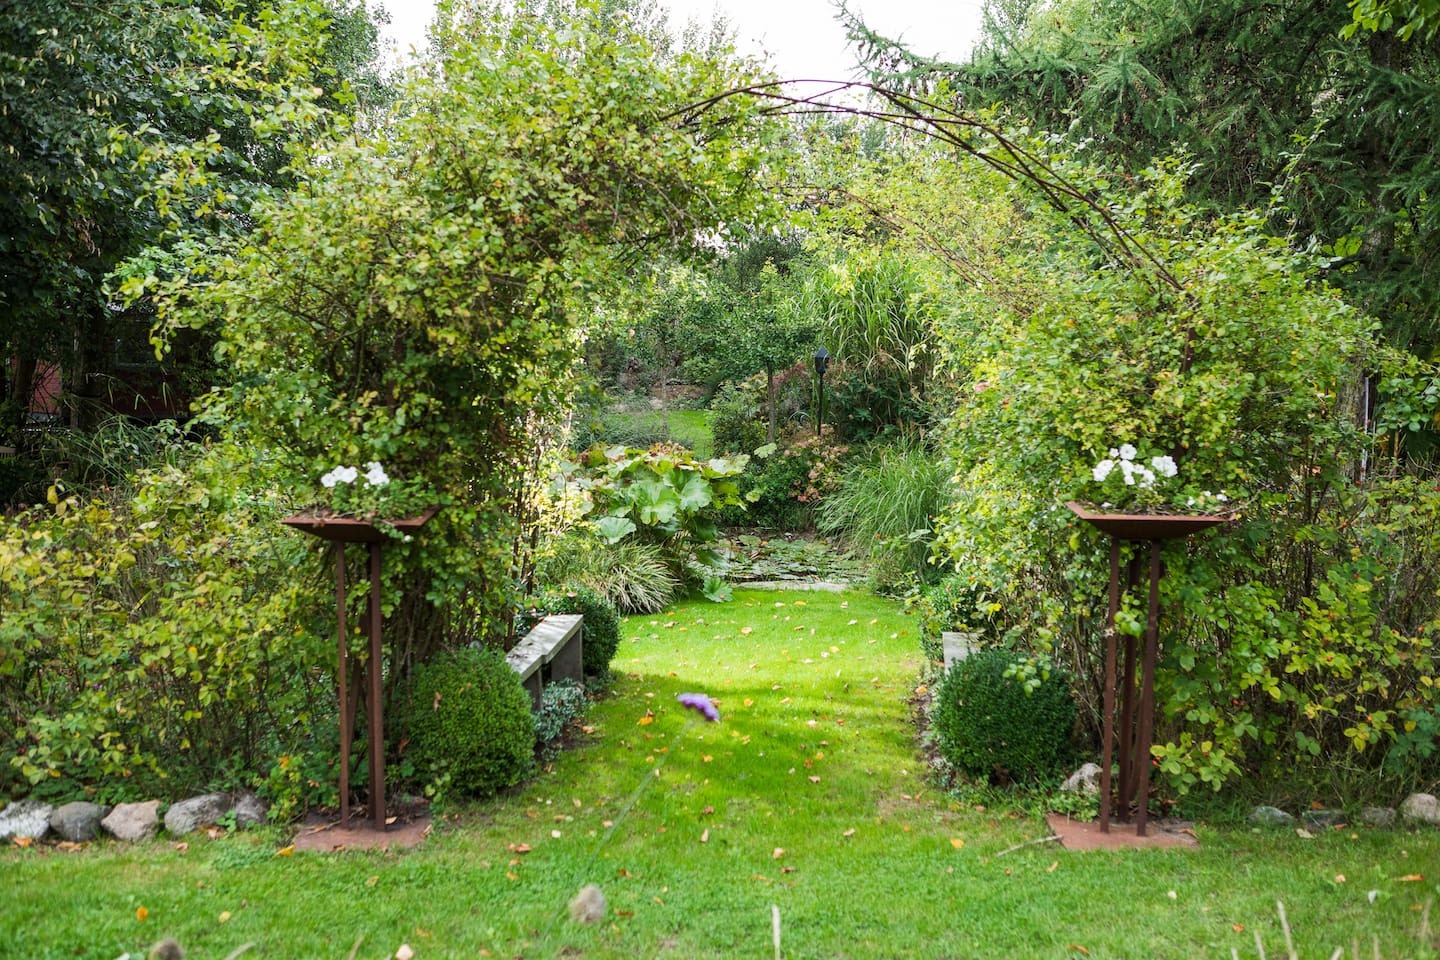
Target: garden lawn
[
  {"x": 808, "y": 795},
  {"x": 689, "y": 428}
]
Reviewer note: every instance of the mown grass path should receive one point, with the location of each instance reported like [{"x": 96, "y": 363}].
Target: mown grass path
[{"x": 807, "y": 795}]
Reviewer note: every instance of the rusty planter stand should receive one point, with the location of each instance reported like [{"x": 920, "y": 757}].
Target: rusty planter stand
[
  {"x": 1137, "y": 721},
  {"x": 342, "y": 531}
]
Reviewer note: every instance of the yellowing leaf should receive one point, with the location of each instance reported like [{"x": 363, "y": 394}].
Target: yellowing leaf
[
  {"x": 141, "y": 913},
  {"x": 957, "y": 842},
  {"x": 1051, "y": 868},
  {"x": 749, "y": 702},
  {"x": 746, "y": 631},
  {"x": 645, "y": 721},
  {"x": 1410, "y": 878},
  {"x": 778, "y": 853},
  {"x": 285, "y": 851},
  {"x": 224, "y": 916}
]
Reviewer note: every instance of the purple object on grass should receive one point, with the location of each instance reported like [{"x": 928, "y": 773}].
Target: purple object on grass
[{"x": 700, "y": 704}]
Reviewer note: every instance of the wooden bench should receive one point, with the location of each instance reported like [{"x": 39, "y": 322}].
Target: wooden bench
[{"x": 554, "y": 650}]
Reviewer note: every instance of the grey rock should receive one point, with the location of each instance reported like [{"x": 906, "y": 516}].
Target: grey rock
[
  {"x": 957, "y": 646},
  {"x": 1264, "y": 816},
  {"x": 1383, "y": 817},
  {"x": 250, "y": 810},
  {"x": 1323, "y": 819},
  {"x": 78, "y": 821},
  {"x": 190, "y": 815},
  {"x": 1085, "y": 780},
  {"x": 1421, "y": 808},
  {"x": 589, "y": 905},
  {"x": 133, "y": 822},
  {"x": 25, "y": 818}
]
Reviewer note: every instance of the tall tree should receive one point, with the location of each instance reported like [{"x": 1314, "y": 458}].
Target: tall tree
[
  {"x": 1276, "y": 109},
  {"x": 129, "y": 124}
]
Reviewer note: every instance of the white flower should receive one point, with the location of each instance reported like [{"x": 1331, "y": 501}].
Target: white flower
[
  {"x": 1189, "y": 501},
  {"x": 1114, "y": 453},
  {"x": 1165, "y": 466},
  {"x": 1127, "y": 451},
  {"x": 375, "y": 474},
  {"x": 1102, "y": 470},
  {"x": 1221, "y": 497},
  {"x": 1128, "y": 469},
  {"x": 1147, "y": 479},
  {"x": 338, "y": 475}
]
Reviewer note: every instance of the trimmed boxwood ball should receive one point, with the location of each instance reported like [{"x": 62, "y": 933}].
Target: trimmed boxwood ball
[
  {"x": 470, "y": 723},
  {"x": 602, "y": 623},
  {"x": 988, "y": 725}
]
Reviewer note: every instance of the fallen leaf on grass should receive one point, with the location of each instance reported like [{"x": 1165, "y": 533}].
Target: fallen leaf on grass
[
  {"x": 749, "y": 702},
  {"x": 705, "y": 837},
  {"x": 141, "y": 913},
  {"x": 1339, "y": 878},
  {"x": 706, "y": 758},
  {"x": 778, "y": 853},
  {"x": 624, "y": 913},
  {"x": 555, "y": 834},
  {"x": 22, "y": 842},
  {"x": 1410, "y": 878},
  {"x": 956, "y": 842},
  {"x": 787, "y": 869},
  {"x": 285, "y": 851},
  {"x": 646, "y": 720},
  {"x": 746, "y": 631},
  {"x": 1051, "y": 868},
  {"x": 181, "y": 847},
  {"x": 1076, "y": 946},
  {"x": 371, "y": 880},
  {"x": 519, "y": 848},
  {"x": 1238, "y": 927},
  {"x": 404, "y": 953},
  {"x": 224, "y": 916},
  {"x": 814, "y": 779},
  {"x": 849, "y": 833}
]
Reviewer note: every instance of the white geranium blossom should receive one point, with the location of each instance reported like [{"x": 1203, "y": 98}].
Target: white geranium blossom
[
  {"x": 1102, "y": 470},
  {"x": 1127, "y": 451},
  {"x": 1165, "y": 466}
]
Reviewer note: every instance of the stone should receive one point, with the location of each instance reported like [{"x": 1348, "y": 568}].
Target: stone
[
  {"x": 957, "y": 646},
  {"x": 133, "y": 822},
  {"x": 250, "y": 810},
  {"x": 589, "y": 905},
  {"x": 190, "y": 815},
  {"x": 1323, "y": 819},
  {"x": 1086, "y": 780},
  {"x": 1264, "y": 816},
  {"x": 78, "y": 821},
  {"x": 1383, "y": 817},
  {"x": 25, "y": 818},
  {"x": 1421, "y": 808}
]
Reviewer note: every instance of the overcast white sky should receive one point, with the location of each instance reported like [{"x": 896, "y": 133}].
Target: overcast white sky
[{"x": 801, "y": 36}]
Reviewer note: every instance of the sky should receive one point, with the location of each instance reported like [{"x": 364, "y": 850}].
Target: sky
[{"x": 801, "y": 36}]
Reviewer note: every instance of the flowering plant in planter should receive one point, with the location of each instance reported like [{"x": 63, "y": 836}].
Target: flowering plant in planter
[
  {"x": 372, "y": 494},
  {"x": 1133, "y": 482}
]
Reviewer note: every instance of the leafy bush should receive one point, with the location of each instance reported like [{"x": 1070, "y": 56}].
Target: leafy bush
[
  {"x": 998, "y": 714},
  {"x": 956, "y": 603},
  {"x": 470, "y": 723},
  {"x": 602, "y": 623},
  {"x": 662, "y": 496},
  {"x": 1297, "y": 637},
  {"x": 885, "y": 506},
  {"x": 171, "y": 634},
  {"x": 561, "y": 704},
  {"x": 784, "y": 489},
  {"x": 737, "y": 419}
]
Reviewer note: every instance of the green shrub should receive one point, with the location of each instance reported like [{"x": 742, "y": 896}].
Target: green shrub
[
  {"x": 167, "y": 637},
  {"x": 885, "y": 507},
  {"x": 956, "y": 603},
  {"x": 561, "y": 704},
  {"x": 470, "y": 723},
  {"x": 737, "y": 420},
  {"x": 1001, "y": 715},
  {"x": 602, "y": 623}
]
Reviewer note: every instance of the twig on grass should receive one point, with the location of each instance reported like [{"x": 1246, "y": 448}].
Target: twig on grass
[
  {"x": 356, "y": 949},
  {"x": 1028, "y": 843},
  {"x": 239, "y": 950}
]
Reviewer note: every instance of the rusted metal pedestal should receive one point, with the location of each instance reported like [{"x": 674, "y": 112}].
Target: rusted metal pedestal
[
  {"x": 342, "y": 531},
  {"x": 1137, "y": 720}
]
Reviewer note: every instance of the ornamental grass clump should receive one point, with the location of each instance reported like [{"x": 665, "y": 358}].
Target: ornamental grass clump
[
  {"x": 1003, "y": 716},
  {"x": 470, "y": 724}
]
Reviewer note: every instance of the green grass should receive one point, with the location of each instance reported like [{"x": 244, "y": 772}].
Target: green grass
[
  {"x": 679, "y": 820},
  {"x": 690, "y": 428}
]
